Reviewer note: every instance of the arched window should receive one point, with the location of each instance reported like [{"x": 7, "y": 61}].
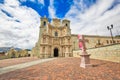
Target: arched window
[
  {"x": 111, "y": 41},
  {"x": 66, "y": 24},
  {"x": 56, "y": 34},
  {"x": 99, "y": 42},
  {"x": 43, "y": 49},
  {"x": 68, "y": 40},
  {"x": 107, "y": 41},
  {"x": 44, "y": 23}
]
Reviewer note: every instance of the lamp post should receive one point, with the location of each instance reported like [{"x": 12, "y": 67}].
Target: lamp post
[{"x": 109, "y": 28}]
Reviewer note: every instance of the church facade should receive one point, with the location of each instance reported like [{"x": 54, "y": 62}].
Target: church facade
[{"x": 54, "y": 39}]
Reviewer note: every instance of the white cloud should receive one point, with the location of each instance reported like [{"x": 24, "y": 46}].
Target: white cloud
[
  {"x": 41, "y": 1},
  {"x": 51, "y": 10},
  {"x": 36, "y": 1},
  {"x": 20, "y": 30},
  {"x": 23, "y": 0},
  {"x": 94, "y": 20},
  {"x": 12, "y": 2}
]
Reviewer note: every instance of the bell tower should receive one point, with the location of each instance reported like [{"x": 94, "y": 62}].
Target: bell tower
[
  {"x": 44, "y": 22},
  {"x": 66, "y": 24},
  {"x": 43, "y": 26}
]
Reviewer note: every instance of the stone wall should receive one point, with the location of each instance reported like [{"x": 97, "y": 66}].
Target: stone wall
[
  {"x": 93, "y": 41},
  {"x": 109, "y": 53}
]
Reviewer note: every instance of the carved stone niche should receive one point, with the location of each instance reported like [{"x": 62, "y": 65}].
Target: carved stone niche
[{"x": 56, "y": 41}]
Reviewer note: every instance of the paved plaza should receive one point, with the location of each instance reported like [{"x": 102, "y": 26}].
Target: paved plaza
[
  {"x": 14, "y": 61},
  {"x": 65, "y": 69}
]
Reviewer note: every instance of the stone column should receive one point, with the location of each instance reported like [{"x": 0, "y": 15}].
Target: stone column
[
  {"x": 41, "y": 52},
  {"x": 46, "y": 52},
  {"x": 66, "y": 52},
  {"x": 52, "y": 52}
]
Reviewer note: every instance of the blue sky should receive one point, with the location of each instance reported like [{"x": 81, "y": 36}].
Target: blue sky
[{"x": 20, "y": 19}]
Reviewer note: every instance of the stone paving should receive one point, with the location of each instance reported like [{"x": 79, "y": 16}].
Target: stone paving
[
  {"x": 23, "y": 65},
  {"x": 13, "y": 61},
  {"x": 66, "y": 69}
]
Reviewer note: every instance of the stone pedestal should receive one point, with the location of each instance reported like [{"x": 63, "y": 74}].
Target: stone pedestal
[
  {"x": 85, "y": 60},
  {"x": 66, "y": 54}
]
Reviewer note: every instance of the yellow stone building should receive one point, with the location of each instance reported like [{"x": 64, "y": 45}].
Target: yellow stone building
[{"x": 56, "y": 40}]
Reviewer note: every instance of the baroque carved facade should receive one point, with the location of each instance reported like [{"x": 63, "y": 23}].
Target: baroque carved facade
[{"x": 54, "y": 39}]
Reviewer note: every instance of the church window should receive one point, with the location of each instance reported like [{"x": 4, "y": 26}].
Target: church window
[
  {"x": 43, "y": 49},
  {"x": 114, "y": 41},
  {"x": 111, "y": 41},
  {"x": 44, "y": 23},
  {"x": 99, "y": 42},
  {"x": 66, "y": 24},
  {"x": 56, "y": 34},
  {"x": 107, "y": 41},
  {"x": 68, "y": 40}
]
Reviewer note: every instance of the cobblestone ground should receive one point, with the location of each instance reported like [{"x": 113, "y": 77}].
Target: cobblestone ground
[
  {"x": 13, "y": 61},
  {"x": 66, "y": 69}
]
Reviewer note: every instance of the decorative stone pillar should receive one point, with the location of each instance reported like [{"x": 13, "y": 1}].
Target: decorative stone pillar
[
  {"x": 46, "y": 52},
  {"x": 66, "y": 52},
  {"x": 85, "y": 60}
]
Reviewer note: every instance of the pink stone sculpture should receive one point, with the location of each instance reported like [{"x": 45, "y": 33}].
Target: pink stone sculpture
[{"x": 85, "y": 60}]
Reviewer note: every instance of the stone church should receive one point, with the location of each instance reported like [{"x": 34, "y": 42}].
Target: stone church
[{"x": 56, "y": 40}]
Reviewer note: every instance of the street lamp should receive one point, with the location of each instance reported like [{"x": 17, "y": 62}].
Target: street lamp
[{"x": 109, "y": 28}]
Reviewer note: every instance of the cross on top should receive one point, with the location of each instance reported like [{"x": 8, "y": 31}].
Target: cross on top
[{"x": 82, "y": 42}]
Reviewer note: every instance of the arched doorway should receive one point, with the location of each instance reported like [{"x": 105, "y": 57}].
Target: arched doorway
[{"x": 56, "y": 52}]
